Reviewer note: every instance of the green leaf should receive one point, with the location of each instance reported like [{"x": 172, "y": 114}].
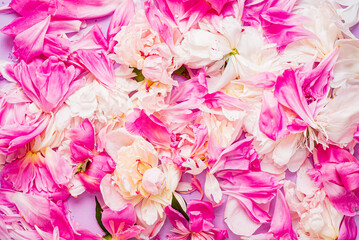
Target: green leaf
[
  {"x": 180, "y": 70},
  {"x": 177, "y": 206},
  {"x": 99, "y": 211},
  {"x": 108, "y": 237},
  {"x": 139, "y": 77}
]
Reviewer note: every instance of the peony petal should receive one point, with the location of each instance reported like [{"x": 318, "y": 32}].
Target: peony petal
[
  {"x": 348, "y": 229},
  {"x": 149, "y": 127},
  {"x": 237, "y": 219},
  {"x": 29, "y": 43},
  {"x": 99, "y": 65},
  {"x": 273, "y": 119}
]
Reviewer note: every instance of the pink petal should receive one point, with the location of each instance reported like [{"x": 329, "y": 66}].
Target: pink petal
[
  {"x": 99, "y": 65},
  {"x": 29, "y": 43},
  {"x": 150, "y": 127},
  {"x": 121, "y": 17},
  {"x": 201, "y": 215},
  {"x": 283, "y": 28},
  {"x": 348, "y": 229},
  {"x": 83, "y": 135},
  {"x": 316, "y": 81},
  {"x": 289, "y": 93},
  {"x": 55, "y": 45},
  {"x": 47, "y": 83},
  {"x": 175, "y": 217},
  {"x": 281, "y": 224},
  {"x": 15, "y": 136},
  {"x": 219, "y": 99},
  {"x": 66, "y": 9},
  {"x": 121, "y": 223},
  {"x": 272, "y": 119},
  {"x": 46, "y": 216},
  {"x": 99, "y": 167},
  {"x": 94, "y": 39}
]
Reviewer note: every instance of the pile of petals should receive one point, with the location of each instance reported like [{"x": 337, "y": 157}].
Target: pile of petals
[{"x": 251, "y": 105}]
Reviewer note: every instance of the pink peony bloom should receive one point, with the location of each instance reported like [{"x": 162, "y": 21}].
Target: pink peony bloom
[
  {"x": 47, "y": 83},
  {"x": 198, "y": 226},
  {"x": 19, "y": 122},
  {"x": 121, "y": 223},
  {"x": 44, "y": 175}
]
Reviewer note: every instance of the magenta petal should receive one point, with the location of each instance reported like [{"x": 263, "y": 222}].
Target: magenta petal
[
  {"x": 348, "y": 229},
  {"x": 281, "y": 225},
  {"x": 175, "y": 217},
  {"x": 99, "y": 65},
  {"x": 14, "y": 136},
  {"x": 289, "y": 93},
  {"x": 316, "y": 81},
  {"x": 46, "y": 216},
  {"x": 55, "y": 45},
  {"x": 94, "y": 39},
  {"x": 334, "y": 154},
  {"x": 83, "y": 135},
  {"x": 46, "y": 83},
  {"x": 29, "y": 43},
  {"x": 201, "y": 215},
  {"x": 121, "y": 17},
  {"x": 149, "y": 127},
  {"x": 99, "y": 167},
  {"x": 273, "y": 119},
  {"x": 118, "y": 221}
]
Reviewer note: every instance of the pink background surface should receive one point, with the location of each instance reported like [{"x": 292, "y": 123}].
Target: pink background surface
[{"x": 82, "y": 208}]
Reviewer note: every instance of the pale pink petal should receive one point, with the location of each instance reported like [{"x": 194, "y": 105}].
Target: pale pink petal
[
  {"x": 237, "y": 218},
  {"x": 219, "y": 99},
  {"x": 60, "y": 169},
  {"x": 112, "y": 198}
]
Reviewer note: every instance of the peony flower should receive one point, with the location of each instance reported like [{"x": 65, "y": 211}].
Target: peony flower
[
  {"x": 138, "y": 178},
  {"x": 140, "y": 47}
]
